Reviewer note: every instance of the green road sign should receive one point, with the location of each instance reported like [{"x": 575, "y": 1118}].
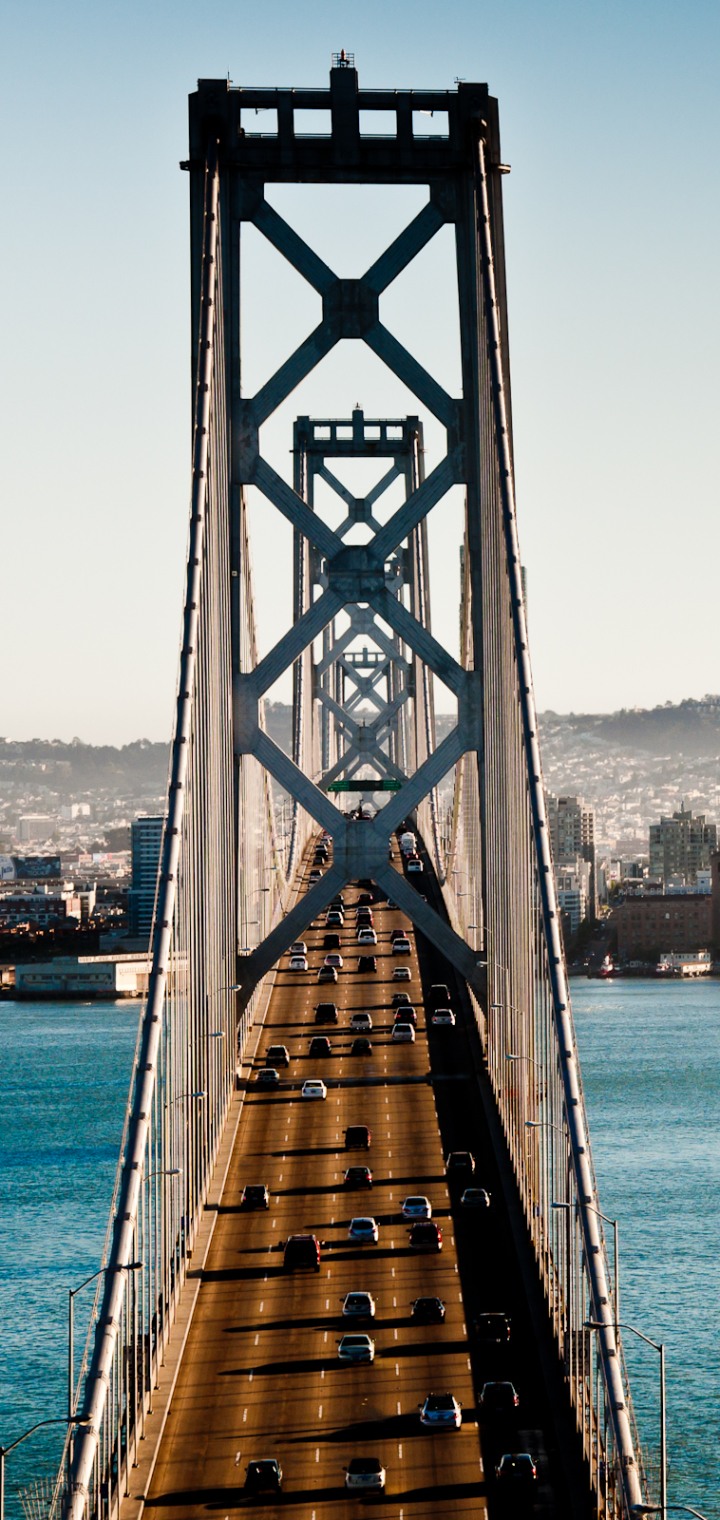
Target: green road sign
[{"x": 373, "y": 784}]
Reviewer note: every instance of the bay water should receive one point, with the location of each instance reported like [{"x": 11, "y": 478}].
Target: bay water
[{"x": 650, "y": 1057}]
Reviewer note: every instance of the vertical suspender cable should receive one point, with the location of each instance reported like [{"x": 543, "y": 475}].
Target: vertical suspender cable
[
  {"x": 122, "y": 1245},
  {"x": 579, "y": 1147}
]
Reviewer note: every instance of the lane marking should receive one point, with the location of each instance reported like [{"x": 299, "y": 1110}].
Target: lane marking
[
  {"x": 250, "y": 1378},
  {"x": 400, "y": 1454},
  {"x": 257, "y": 1337},
  {"x": 327, "y": 1306},
  {"x": 397, "y": 1369},
  {"x": 394, "y": 1307},
  {"x": 464, "y": 1329},
  {"x": 469, "y": 1363},
  {"x": 328, "y": 1272},
  {"x": 391, "y": 1195},
  {"x": 244, "y": 1415},
  {"x": 265, "y": 1277},
  {"x": 317, "y": 1459},
  {"x": 262, "y": 1305},
  {"x": 272, "y": 1227},
  {"x": 396, "y": 1332},
  {"x": 237, "y": 1459},
  {"x": 392, "y": 1269},
  {"x": 392, "y": 1245},
  {"x": 398, "y": 1408},
  {"x": 319, "y": 1411},
  {"x": 322, "y": 1375}
]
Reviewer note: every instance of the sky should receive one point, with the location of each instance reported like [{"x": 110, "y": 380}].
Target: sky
[{"x": 609, "y": 119}]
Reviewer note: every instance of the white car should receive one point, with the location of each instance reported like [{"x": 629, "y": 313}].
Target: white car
[
  {"x": 403, "y": 1034},
  {"x": 414, "y": 865},
  {"x": 356, "y": 1348},
  {"x": 364, "y": 1231},
  {"x": 334, "y": 959},
  {"x": 443, "y": 1016},
  {"x": 361, "y": 1022},
  {"x": 401, "y": 946},
  {"x": 366, "y": 937},
  {"x": 299, "y": 948},
  {"x": 365, "y": 1472},
  {"x": 441, "y": 1409},
  {"x": 401, "y": 974},
  {"x": 298, "y": 963},
  {"x": 314, "y": 1088},
  {"x": 417, "y": 1207}
]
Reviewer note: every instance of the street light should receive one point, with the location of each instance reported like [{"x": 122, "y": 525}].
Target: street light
[
  {"x": 509, "y": 1056},
  {"x": 662, "y": 1508},
  {"x": 654, "y": 1509},
  {"x": 132, "y": 1266},
  {"x": 74, "y": 1419},
  {"x": 521, "y": 1011}
]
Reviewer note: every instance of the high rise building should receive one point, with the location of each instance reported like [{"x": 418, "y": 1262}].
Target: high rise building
[
  {"x": 681, "y": 846},
  {"x": 571, "y": 824},
  {"x": 145, "y": 844}
]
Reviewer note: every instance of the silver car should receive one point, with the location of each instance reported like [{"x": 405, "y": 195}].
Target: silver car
[
  {"x": 356, "y": 1348},
  {"x": 365, "y": 1472},
  {"x": 358, "y": 1305}
]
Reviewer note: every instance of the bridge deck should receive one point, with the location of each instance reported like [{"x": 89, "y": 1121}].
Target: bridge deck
[{"x": 260, "y": 1375}]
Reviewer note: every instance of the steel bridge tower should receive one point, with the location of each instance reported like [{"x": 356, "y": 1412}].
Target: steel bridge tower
[{"x": 360, "y": 644}]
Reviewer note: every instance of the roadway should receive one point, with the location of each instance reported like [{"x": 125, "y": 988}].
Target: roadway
[{"x": 260, "y": 1375}]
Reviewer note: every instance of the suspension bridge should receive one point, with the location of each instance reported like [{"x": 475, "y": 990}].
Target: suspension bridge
[{"x": 205, "y": 1355}]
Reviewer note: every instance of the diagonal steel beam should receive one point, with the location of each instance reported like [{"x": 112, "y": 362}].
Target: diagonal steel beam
[
  {"x": 383, "y": 485},
  {"x": 431, "y": 924},
  {"x": 336, "y": 485},
  {"x": 411, "y": 373},
  {"x": 404, "y": 249},
  {"x": 251, "y": 968},
  {"x": 421, "y": 782},
  {"x": 295, "y": 641},
  {"x": 295, "y": 509},
  {"x": 293, "y": 248},
  {"x": 420, "y": 639},
  {"x": 289, "y": 776},
  {"x": 401, "y": 524},
  {"x": 285, "y": 380}
]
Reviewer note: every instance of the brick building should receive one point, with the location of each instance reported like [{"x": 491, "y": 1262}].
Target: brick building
[{"x": 647, "y": 926}]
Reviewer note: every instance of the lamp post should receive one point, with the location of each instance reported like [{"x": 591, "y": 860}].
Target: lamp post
[
  {"x": 654, "y": 1509},
  {"x": 548, "y": 1124},
  {"x": 5, "y": 1450},
  {"x": 660, "y": 1509},
  {"x": 132, "y": 1266}
]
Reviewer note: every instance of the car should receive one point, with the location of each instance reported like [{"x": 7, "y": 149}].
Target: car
[
  {"x": 400, "y": 999},
  {"x": 443, "y": 1016},
  {"x": 358, "y": 1137},
  {"x": 358, "y": 1176},
  {"x": 356, "y": 1348},
  {"x": 331, "y": 942},
  {"x": 401, "y": 946},
  {"x": 364, "y": 913},
  {"x": 302, "y": 1253},
  {"x": 365, "y": 900},
  {"x": 397, "y": 934},
  {"x": 428, "y": 1311},
  {"x": 314, "y": 1088},
  {"x": 367, "y": 937},
  {"x": 255, "y": 1196},
  {"x": 362, "y": 1046},
  {"x": 367, "y": 963},
  {"x": 364, "y": 920},
  {"x": 326, "y": 1013},
  {"x": 414, "y": 865},
  {"x": 298, "y": 948},
  {"x": 365, "y": 1472},
  {"x": 417, "y": 1207},
  {"x": 425, "y": 1235},
  {"x": 320, "y": 1046},
  {"x": 277, "y": 1055},
  {"x": 263, "y": 1476},
  {"x": 327, "y": 974},
  {"x": 268, "y": 1077},
  {"x": 459, "y": 1164},
  {"x": 338, "y": 902},
  {"x": 298, "y": 963},
  {"x": 361, "y": 1021},
  {"x": 492, "y": 1329},
  {"x": 475, "y": 1198},
  {"x": 315, "y": 875},
  {"x": 358, "y": 1305},
  {"x": 364, "y": 1231},
  {"x": 403, "y": 1033},
  {"x": 517, "y": 1472},
  {"x": 498, "y": 1399},
  {"x": 391, "y": 905},
  {"x": 439, "y": 995},
  {"x": 401, "y": 974},
  {"x": 406, "y": 1014},
  {"x": 334, "y": 959},
  {"x": 334, "y": 919},
  {"x": 441, "y": 1409}
]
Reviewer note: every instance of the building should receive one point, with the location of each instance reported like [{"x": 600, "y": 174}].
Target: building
[
  {"x": 86, "y": 976},
  {"x": 572, "y": 883},
  {"x": 571, "y": 825},
  {"x": 36, "y": 826},
  {"x": 43, "y": 906},
  {"x": 648, "y": 927},
  {"x": 145, "y": 844},
  {"x": 681, "y": 846}
]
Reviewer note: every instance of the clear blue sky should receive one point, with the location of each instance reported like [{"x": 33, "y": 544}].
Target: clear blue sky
[{"x": 609, "y": 117}]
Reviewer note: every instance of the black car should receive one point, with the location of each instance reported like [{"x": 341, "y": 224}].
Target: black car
[
  {"x": 362, "y": 1046},
  {"x": 320, "y": 1046},
  {"x": 264, "y": 1477},
  {"x": 498, "y": 1400},
  {"x": 365, "y": 900},
  {"x": 255, "y": 1196},
  {"x": 268, "y": 1077},
  {"x": 429, "y": 1311},
  {"x": 277, "y": 1055},
  {"x": 358, "y": 1176},
  {"x": 406, "y": 1014},
  {"x": 331, "y": 942},
  {"x": 367, "y": 963},
  {"x": 326, "y": 1013},
  {"x": 357, "y": 1137},
  {"x": 459, "y": 1164},
  {"x": 492, "y": 1329},
  {"x": 400, "y": 1000},
  {"x": 516, "y": 1473},
  {"x": 439, "y": 995}
]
